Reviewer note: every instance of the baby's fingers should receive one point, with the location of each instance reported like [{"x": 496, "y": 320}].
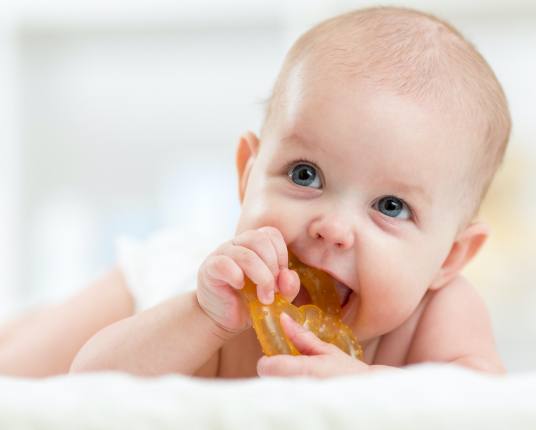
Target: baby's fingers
[
  {"x": 221, "y": 269},
  {"x": 256, "y": 270},
  {"x": 278, "y": 242},
  {"x": 288, "y": 283},
  {"x": 262, "y": 244}
]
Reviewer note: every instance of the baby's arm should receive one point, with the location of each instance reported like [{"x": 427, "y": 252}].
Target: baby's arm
[
  {"x": 455, "y": 327},
  {"x": 43, "y": 342},
  {"x": 184, "y": 333},
  {"x": 175, "y": 336}
]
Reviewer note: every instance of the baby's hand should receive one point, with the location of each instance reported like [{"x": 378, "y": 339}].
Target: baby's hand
[
  {"x": 262, "y": 256},
  {"x": 318, "y": 360}
]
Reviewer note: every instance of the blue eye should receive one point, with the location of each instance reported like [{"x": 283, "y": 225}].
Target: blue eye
[
  {"x": 305, "y": 175},
  {"x": 393, "y": 207}
]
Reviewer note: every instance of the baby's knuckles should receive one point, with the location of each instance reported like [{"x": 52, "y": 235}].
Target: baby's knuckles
[
  {"x": 279, "y": 241},
  {"x": 221, "y": 266},
  {"x": 268, "y": 243}
]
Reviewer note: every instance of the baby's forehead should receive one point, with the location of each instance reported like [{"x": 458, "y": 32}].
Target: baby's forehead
[
  {"x": 372, "y": 129},
  {"x": 327, "y": 70},
  {"x": 362, "y": 131},
  {"x": 348, "y": 108}
]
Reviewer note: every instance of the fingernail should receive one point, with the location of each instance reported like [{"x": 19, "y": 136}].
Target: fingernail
[
  {"x": 268, "y": 297},
  {"x": 285, "y": 316},
  {"x": 288, "y": 318}
]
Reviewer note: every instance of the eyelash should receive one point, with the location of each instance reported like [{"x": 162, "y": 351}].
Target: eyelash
[
  {"x": 305, "y": 161},
  {"x": 411, "y": 216},
  {"x": 294, "y": 163}
]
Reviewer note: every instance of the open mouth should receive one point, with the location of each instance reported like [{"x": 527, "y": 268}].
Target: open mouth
[{"x": 343, "y": 293}]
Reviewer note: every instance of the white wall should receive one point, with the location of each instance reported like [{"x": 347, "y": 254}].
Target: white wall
[{"x": 9, "y": 162}]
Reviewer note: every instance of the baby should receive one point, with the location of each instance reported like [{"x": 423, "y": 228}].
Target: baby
[{"x": 381, "y": 137}]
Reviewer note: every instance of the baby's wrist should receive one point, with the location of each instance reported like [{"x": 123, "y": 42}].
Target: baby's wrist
[{"x": 216, "y": 330}]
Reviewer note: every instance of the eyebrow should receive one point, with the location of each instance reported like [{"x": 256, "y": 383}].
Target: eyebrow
[
  {"x": 297, "y": 139},
  {"x": 411, "y": 189}
]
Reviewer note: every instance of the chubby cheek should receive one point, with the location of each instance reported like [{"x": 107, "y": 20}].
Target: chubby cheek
[
  {"x": 392, "y": 286},
  {"x": 260, "y": 209},
  {"x": 385, "y": 305}
]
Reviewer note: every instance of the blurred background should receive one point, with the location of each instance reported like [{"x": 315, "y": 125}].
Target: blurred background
[{"x": 121, "y": 119}]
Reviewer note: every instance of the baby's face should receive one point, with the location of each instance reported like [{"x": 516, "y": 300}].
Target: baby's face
[{"x": 365, "y": 185}]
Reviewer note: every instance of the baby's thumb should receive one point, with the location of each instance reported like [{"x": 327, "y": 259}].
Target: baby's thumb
[{"x": 306, "y": 342}]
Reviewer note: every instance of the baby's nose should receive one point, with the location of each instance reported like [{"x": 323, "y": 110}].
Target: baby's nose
[{"x": 334, "y": 230}]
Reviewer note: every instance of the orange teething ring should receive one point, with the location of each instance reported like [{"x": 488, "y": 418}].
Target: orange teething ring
[{"x": 322, "y": 317}]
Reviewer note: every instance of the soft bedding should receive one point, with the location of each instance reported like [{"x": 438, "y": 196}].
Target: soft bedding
[{"x": 421, "y": 397}]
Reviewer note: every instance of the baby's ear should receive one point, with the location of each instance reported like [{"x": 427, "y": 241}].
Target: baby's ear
[
  {"x": 247, "y": 150},
  {"x": 465, "y": 247}
]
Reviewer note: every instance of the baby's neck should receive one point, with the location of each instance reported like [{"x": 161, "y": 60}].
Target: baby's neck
[{"x": 370, "y": 346}]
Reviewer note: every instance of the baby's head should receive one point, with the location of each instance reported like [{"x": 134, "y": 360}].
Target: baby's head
[{"x": 381, "y": 137}]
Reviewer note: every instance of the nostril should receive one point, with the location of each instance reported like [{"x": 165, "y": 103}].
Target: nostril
[{"x": 319, "y": 236}]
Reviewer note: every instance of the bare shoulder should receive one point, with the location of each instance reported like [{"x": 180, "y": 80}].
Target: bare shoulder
[
  {"x": 455, "y": 327},
  {"x": 45, "y": 341},
  {"x": 109, "y": 293}
]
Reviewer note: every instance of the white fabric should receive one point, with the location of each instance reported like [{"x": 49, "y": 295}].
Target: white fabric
[
  {"x": 422, "y": 397},
  {"x": 161, "y": 266}
]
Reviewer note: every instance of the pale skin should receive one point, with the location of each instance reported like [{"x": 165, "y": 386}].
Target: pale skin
[
  {"x": 409, "y": 304},
  {"x": 43, "y": 342}
]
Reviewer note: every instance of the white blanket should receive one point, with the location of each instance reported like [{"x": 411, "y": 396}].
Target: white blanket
[{"x": 422, "y": 397}]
